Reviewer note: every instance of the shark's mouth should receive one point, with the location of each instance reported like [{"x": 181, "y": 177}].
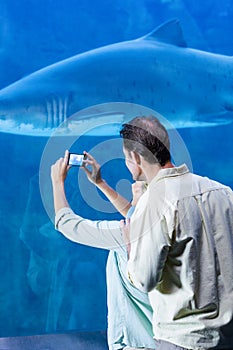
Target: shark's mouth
[
  {"x": 12, "y": 127},
  {"x": 99, "y": 120},
  {"x": 93, "y": 125},
  {"x": 92, "y": 122}
]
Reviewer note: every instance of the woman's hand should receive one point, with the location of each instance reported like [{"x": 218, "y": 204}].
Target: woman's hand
[
  {"x": 138, "y": 188},
  {"x": 93, "y": 175},
  {"x": 59, "y": 172},
  {"x": 60, "y": 169}
]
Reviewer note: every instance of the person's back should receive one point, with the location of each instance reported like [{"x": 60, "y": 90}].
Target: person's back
[{"x": 190, "y": 219}]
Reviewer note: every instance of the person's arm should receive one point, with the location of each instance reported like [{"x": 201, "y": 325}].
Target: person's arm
[
  {"x": 138, "y": 188},
  {"x": 149, "y": 247},
  {"x": 94, "y": 175},
  {"x": 58, "y": 175},
  {"x": 101, "y": 234},
  {"x": 146, "y": 237}
]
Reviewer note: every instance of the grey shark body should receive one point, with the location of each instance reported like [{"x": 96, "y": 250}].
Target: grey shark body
[{"x": 188, "y": 87}]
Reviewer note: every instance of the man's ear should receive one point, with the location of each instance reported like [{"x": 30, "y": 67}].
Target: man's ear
[{"x": 136, "y": 157}]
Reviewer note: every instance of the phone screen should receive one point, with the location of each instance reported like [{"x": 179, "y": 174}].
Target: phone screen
[{"x": 76, "y": 159}]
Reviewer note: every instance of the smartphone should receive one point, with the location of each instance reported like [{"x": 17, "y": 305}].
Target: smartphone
[{"x": 76, "y": 159}]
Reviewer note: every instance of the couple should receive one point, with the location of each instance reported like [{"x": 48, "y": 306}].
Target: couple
[{"x": 174, "y": 259}]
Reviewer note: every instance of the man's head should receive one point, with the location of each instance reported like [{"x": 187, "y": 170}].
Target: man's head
[{"x": 145, "y": 137}]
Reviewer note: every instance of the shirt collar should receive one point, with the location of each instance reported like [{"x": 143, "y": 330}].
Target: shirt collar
[{"x": 171, "y": 172}]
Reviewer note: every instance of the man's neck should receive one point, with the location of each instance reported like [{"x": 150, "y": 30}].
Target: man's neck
[
  {"x": 153, "y": 170},
  {"x": 168, "y": 165}
]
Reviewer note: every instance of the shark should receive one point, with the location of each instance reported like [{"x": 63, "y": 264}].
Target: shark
[{"x": 188, "y": 87}]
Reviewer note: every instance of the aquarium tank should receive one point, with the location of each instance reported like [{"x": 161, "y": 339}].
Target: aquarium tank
[{"x": 71, "y": 73}]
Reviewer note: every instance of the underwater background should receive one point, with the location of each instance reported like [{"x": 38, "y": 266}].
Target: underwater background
[{"x": 49, "y": 284}]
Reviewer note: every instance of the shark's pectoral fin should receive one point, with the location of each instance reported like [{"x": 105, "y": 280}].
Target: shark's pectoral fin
[
  {"x": 225, "y": 117},
  {"x": 169, "y": 32},
  {"x": 205, "y": 120}
]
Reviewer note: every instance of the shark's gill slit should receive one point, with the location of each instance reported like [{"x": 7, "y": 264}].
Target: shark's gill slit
[
  {"x": 65, "y": 110},
  {"x": 49, "y": 116},
  {"x": 60, "y": 111},
  {"x": 55, "y": 119}
]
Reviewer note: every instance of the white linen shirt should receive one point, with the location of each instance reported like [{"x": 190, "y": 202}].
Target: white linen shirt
[{"x": 181, "y": 236}]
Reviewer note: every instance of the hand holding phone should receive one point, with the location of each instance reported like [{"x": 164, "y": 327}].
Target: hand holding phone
[{"x": 75, "y": 159}]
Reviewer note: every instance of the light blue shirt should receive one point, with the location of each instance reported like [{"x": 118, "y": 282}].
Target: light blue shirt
[{"x": 129, "y": 310}]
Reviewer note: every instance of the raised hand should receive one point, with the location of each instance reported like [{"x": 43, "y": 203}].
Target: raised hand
[{"x": 94, "y": 175}]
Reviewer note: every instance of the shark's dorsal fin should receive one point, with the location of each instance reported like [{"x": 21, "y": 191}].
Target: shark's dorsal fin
[{"x": 169, "y": 32}]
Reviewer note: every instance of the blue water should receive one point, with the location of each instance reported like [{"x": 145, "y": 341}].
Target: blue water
[{"x": 49, "y": 284}]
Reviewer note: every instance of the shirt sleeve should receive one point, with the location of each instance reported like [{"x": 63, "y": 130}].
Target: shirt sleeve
[
  {"x": 100, "y": 234},
  {"x": 150, "y": 242}
]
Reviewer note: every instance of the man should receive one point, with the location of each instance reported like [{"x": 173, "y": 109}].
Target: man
[
  {"x": 129, "y": 310},
  {"x": 180, "y": 244}
]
